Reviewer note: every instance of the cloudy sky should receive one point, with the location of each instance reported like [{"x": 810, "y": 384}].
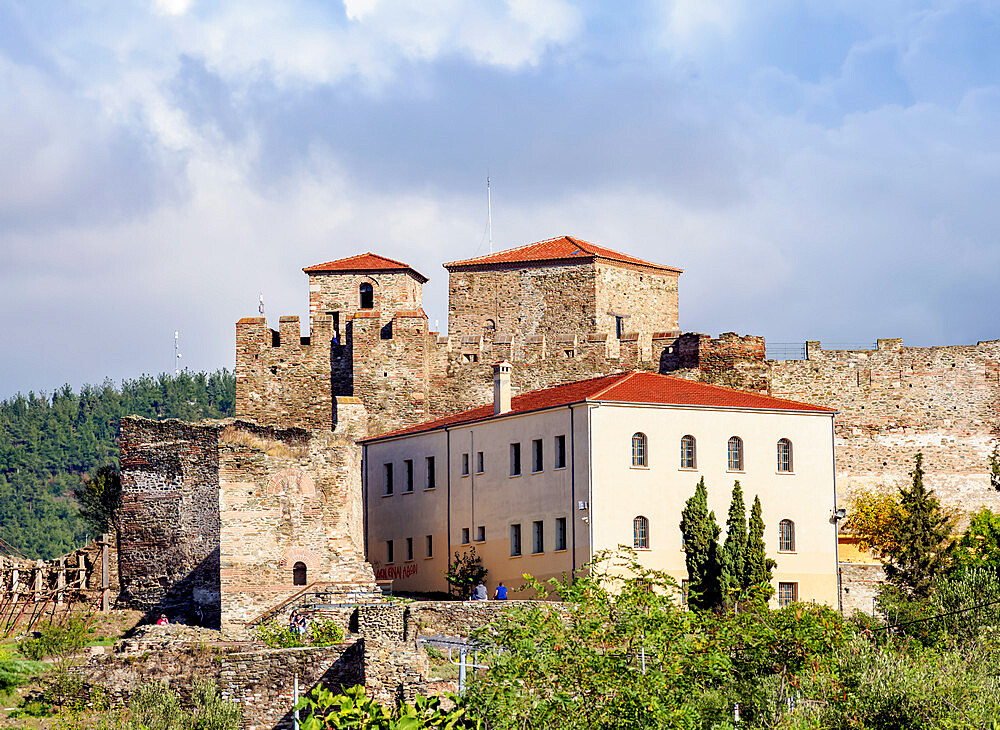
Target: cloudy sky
[{"x": 822, "y": 169}]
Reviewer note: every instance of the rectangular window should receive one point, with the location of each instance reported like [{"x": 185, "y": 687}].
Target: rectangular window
[
  {"x": 515, "y": 540},
  {"x": 537, "y": 537},
  {"x": 788, "y": 593},
  {"x": 480, "y": 463},
  {"x": 409, "y": 474},
  {"x": 389, "y": 556},
  {"x": 465, "y": 535},
  {"x": 560, "y": 533},
  {"x": 465, "y": 465},
  {"x": 515, "y": 460},
  {"x": 619, "y": 327},
  {"x": 409, "y": 548},
  {"x": 560, "y": 452},
  {"x": 387, "y": 478},
  {"x": 481, "y": 533},
  {"x": 431, "y": 476},
  {"x": 430, "y": 546},
  {"x": 536, "y": 456}
]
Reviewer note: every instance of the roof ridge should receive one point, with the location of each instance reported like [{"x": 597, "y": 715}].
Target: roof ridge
[
  {"x": 623, "y": 379},
  {"x": 506, "y": 250},
  {"x": 730, "y": 389}
]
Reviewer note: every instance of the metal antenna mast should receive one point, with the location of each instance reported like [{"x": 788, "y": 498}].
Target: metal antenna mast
[
  {"x": 489, "y": 212},
  {"x": 177, "y": 354}
]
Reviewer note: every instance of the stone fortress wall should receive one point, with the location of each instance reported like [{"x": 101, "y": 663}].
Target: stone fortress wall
[{"x": 216, "y": 515}]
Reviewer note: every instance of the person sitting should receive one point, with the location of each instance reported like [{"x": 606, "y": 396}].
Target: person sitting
[
  {"x": 479, "y": 592},
  {"x": 162, "y": 620},
  {"x": 501, "y": 594}
]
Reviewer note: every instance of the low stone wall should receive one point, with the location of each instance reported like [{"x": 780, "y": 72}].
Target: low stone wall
[
  {"x": 456, "y": 618},
  {"x": 858, "y": 583}
]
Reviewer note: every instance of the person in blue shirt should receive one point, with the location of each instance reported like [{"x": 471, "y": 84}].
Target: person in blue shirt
[{"x": 501, "y": 594}]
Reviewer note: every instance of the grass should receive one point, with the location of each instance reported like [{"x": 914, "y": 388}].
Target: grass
[{"x": 271, "y": 447}]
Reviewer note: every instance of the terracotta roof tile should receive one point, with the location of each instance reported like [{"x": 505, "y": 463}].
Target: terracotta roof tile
[
  {"x": 562, "y": 248},
  {"x": 630, "y": 387},
  {"x": 365, "y": 262}
]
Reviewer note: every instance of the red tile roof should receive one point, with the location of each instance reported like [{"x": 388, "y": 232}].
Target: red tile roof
[
  {"x": 630, "y": 387},
  {"x": 365, "y": 262},
  {"x": 562, "y": 248}
]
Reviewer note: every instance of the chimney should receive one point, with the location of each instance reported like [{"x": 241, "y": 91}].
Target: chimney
[{"x": 501, "y": 388}]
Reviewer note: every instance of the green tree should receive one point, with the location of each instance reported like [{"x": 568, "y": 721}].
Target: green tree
[
  {"x": 99, "y": 498},
  {"x": 700, "y": 533},
  {"x": 758, "y": 567},
  {"x": 980, "y": 544},
  {"x": 926, "y": 548},
  {"x": 465, "y": 572},
  {"x": 734, "y": 551}
]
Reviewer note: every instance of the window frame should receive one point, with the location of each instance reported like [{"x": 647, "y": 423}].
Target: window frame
[
  {"x": 409, "y": 550},
  {"x": 390, "y": 552},
  {"x": 480, "y": 462},
  {"x": 786, "y": 536},
  {"x": 515, "y": 459},
  {"x": 480, "y": 533},
  {"x": 538, "y": 537},
  {"x": 430, "y": 466},
  {"x": 689, "y": 452},
  {"x": 737, "y": 464},
  {"x": 640, "y": 533},
  {"x": 466, "y": 536},
  {"x": 430, "y": 546},
  {"x": 515, "y": 540},
  {"x": 640, "y": 450},
  {"x": 408, "y": 486},
  {"x": 388, "y": 487},
  {"x": 559, "y": 452},
  {"x": 304, "y": 571},
  {"x": 537, "y": 456},
  {"x": 361, "y": 295},
  {"x": 787, "y": 587},
  {"x": 560, "y": 535},
  {"x": 786, "y": 463}
]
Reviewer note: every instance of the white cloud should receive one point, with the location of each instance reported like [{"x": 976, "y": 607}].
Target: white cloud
[{"x": 172, "y": 7}]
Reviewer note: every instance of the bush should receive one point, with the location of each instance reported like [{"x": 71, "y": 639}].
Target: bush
[
  {"x": 325, "y": 632},
  {"x": 156, "y": 707},
  {"x": 55, "y": 640},
  {"x": 322, "y": 632},
  {"x": 16, "y": 672}
]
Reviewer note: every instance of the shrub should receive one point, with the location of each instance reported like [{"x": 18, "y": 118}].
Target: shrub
[
  {"x": 325, "y": 632},
  {"x": 276, "y": 635},
  {"x": 55, "y": 640}
]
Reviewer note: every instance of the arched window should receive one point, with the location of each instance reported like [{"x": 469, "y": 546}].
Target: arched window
[
  {"x": 784, "y": 455},
  {"x": 489, "y": 326},
  {"x": 640, "y": 533},
  {"x": 299, "y": 574},
  {"x": 639, "y": 451},
  {"x": 367, "y": 296},
  {"x": 786, "y": 536},
  {"x": 735, "y": 454},
  {"x": 689, "y": 454}
]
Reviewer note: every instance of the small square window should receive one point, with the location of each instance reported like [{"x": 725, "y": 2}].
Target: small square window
[
  {"x": 560, "y": 533},
  {"x": 480, "y": 463},
  {"x": 465, "y": 535},
  {"x": 788, "y": 593},
  {"x": 537, "y": 537},
  {"x": 481, "y": 533},
  {"x": 465, "y": 465}
]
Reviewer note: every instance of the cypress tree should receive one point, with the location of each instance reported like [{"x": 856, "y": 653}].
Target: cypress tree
[
  {"x": 734, "y": 551},
  {"x": 701, "y": 549},
  {"x": 926, "y": 551},
  {"x": 758, "y": 567}
]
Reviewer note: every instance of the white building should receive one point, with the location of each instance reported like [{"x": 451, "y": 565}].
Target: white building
[{"x": 540, "y": 482}]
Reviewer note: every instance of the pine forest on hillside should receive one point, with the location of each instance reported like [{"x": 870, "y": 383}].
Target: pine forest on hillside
[{"x": 50, "y": 444}]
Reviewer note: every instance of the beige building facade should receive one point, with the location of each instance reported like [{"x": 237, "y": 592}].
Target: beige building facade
[{"x": 541, "y": 482}]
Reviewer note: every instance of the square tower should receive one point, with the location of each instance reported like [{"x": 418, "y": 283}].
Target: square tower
[{"x": 561, "y": 285}]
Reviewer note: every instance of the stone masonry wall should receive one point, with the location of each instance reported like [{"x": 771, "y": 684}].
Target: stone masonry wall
[
  {"x": 647, "y": 300},
  {"x": 285, "y": 502},
  {"x": 215, "y": 516},
  {"x": 340, "y": 292},
  {"x": 895, "y": 401},
  {"x": 529, "y": 300},
  {"x": 169, "y": 543}
]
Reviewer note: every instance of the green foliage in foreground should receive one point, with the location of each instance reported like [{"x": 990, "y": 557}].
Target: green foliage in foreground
[
  {"x": 51, "y": 444},
  {"x": 324, "y": 710},
  {"x": 321, "y": 632},
  {"x": 55, "y": 639},
  {"x": 15, "y": 673}
]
